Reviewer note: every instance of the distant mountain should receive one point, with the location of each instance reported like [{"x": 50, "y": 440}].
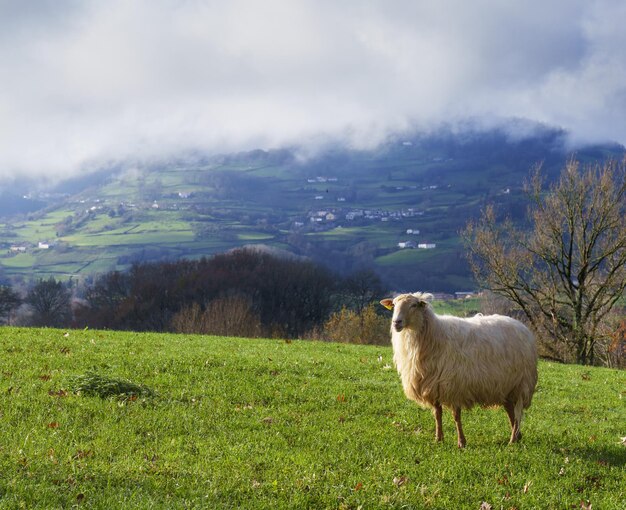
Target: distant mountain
[{"x": 397, "y": 208}]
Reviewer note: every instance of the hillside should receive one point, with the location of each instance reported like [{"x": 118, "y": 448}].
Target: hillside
[
  {"x": 345, "y": 208},
  {"x": 241, "y": 423}
]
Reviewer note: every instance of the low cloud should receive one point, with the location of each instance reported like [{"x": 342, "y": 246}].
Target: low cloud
[{"x": 86, "y": 82}]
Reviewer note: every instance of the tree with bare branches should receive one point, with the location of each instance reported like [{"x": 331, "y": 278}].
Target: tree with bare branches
[
  {"x": 566, "y": 269},
  {"x": 50, "y": 303},
  {"x": 9, "y": 301}
]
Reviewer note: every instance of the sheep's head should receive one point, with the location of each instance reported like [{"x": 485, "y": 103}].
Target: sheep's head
[{"x": 407, "y": 310}]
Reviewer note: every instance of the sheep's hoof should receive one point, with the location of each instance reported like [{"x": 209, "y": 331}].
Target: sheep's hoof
[
  {"x": 517, "y": 437},
  {"x": 461, "y": 444}
]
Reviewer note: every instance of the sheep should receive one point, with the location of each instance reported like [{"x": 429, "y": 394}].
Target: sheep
[{"x": 446, "y": 361}]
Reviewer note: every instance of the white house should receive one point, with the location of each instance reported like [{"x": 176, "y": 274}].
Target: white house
[{"x": 426, "y": 246}]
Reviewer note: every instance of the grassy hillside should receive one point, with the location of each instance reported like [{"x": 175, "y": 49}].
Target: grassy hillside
[
  {"x": 239, "y": 423},
  {"x": 345, "y": 208}
]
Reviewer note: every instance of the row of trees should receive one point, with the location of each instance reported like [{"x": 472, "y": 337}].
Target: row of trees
[{"x": 246, "y": 291}]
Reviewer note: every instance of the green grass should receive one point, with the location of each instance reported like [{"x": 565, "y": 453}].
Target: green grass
[
  {"x": 459, "y": 307},
  {"x": 240, "y": 423},
  {"x": 21, "y": 260}
]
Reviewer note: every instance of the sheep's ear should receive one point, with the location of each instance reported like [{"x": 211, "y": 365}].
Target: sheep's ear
[{"x": 387, "y": 303}]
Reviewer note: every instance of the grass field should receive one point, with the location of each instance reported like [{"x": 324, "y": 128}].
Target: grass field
[{"x": 240, "y": 423}]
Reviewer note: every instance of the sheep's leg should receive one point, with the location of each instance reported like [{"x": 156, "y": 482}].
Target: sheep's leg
[
  {"x": 437, "y": 411},
  {"x": 456, "y": 412},
  {"x": 514, "y": 420}
]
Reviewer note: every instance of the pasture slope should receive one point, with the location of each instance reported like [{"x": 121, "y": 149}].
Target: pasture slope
[{"x": 241, "y": 423}]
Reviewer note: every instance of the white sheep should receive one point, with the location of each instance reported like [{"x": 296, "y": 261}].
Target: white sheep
[{"x": 447, "y": 361}]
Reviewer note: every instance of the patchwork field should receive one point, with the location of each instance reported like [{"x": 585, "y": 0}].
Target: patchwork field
[
  {"x": 190, "y": 209},
  {"x": 241, "y": 423}
]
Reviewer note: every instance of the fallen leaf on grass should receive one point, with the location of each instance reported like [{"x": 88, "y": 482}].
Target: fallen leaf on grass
[
  {"x": 58, "y": 393},
  {"x": 485, "y": 506},
  {"x": 585, "y": 505},
  {"x": 53, "y": 425},
  {"x": 341, "y": 397},
  {"x": 358, "y": 487},
  {"x": 527, "y": 486},
  {"x": 45, "y": 377},
  {"x": 268, "y": 420},
  {"x": 399, "y": 481},
  {"x": 82, "y": 454}
]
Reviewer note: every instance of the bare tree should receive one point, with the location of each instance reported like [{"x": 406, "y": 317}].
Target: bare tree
[
  {"x": 567, "y": 269},
  {"x": 362, "y": 288},
  {"x": 9, "y": 301},
  {"x": 50, "y": 303}
]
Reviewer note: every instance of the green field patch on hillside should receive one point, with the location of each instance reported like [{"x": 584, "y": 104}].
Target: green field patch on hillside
[
  {"x": 21, "y": 260},
  {"x": 406, "y": 257},
  {"x": 33, "y": 232},
  {"x": 382, "y": 232},
  {"x": 54, "y": 217},
  {"x": 171, "y": 237},
  {"x": 254, "y": 236}
]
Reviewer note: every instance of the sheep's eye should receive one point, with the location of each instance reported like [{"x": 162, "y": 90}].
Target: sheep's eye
[{"x": 414, "y": 305}]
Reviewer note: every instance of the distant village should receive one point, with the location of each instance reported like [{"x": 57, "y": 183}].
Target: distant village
[{"x": 316, "y": 219}]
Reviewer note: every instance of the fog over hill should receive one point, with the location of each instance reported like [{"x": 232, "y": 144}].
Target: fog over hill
[{"x": 90, "y": 84}]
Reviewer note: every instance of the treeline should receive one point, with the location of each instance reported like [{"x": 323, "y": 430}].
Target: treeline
[{"x": 245, "y": 292}]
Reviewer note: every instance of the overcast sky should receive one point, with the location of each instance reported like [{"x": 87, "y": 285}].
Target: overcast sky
[{"x": 83, "y": 82}]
